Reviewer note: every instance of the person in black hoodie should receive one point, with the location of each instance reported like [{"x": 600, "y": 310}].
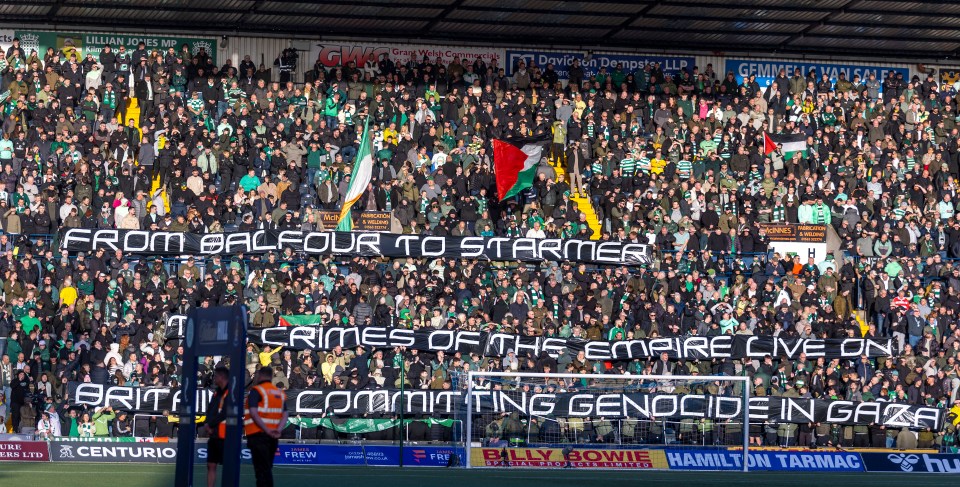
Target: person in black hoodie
[{"x": 108, "y": 59}]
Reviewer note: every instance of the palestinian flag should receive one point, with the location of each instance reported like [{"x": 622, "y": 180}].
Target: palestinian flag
[
  {"x": 300, "y": 320},
  {"x": 791, "y": 143},
  {"x": 515, "y": 165}
]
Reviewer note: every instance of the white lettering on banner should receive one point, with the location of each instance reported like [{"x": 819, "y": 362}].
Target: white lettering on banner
[
  {"x": 444, "y": 344},
  {"x": 305, "y": 398},
  {"x": 202, "y": 453},
  {"x": 662, "y": 410},
  {"x": 542, "y": 404},
  {"x": 132, "y": 398},
  {"x": 304, "y": 334},
  {"x": 898, "y": 411},
  {"x": 766, "y": 71},
  {"x": 839, "y": 412},
  {"x": 498, "y": 344},
  {"x": 121, "y": 452},
  {"x": 629, "y": 61},
  {"x": 926, "y": 415},
  {"x": 613, "y": 405},
  {"x": 759, "y": 408},
  {"x": 867, "y": 413},
  {"x": 791, "y": 406},
  {"x": 878, "y": 349},
  {"x": 89, "y": 394},
  {"x": 211, "y": 244},
  {"x": 817, "y": 348},
  {"x": 375, "y": 337},
  {"x": 938, "y": 465},
  {"x": 693, "y": 411},
  {"x": 805, "y": 461},
  {"x": 471, "y": 246},
  {"x": 371, "y": 244},
  {"x": 720, "y": 347},
  {"x": 799, "y": 460},
  {"x": 403, "y": 338},
  {"x": 343, "y": 333},
  {"x": 580, "y": 405},
  {"x": 239, "y": 241},
  {"x": 733, "y": 405}
]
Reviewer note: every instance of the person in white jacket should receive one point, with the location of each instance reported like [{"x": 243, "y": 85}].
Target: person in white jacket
[
  {"x": 95, "y": 77},
  {"x": 536, "y": 231},
  {"x": 113, "y": 353},
  {"x": 48, "y": 427}
]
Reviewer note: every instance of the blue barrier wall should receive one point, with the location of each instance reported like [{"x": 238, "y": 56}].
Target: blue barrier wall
[{"x": 810, "y": 461}]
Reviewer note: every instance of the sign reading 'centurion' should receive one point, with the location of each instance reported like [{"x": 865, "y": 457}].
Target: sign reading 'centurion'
[
  {"x": 565, "y": 404},
  {"x": 367, "y": 244}
]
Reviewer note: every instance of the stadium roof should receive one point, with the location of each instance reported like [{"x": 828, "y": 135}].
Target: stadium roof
[{"x": 862, "y": 28}]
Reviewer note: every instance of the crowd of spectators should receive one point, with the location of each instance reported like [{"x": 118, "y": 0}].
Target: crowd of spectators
[{"x": 673, "y": 159}]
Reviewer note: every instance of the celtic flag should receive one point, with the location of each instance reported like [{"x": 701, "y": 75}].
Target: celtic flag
[{"x": 359, "y": 179}]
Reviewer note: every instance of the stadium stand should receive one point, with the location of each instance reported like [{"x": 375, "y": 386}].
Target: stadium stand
[{"x": 695, "y": 166}]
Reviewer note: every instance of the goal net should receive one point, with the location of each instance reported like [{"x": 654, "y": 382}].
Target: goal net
[{"x": 516, "y": 419}]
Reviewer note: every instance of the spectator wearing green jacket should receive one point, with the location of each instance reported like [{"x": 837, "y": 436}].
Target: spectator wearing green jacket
[
  {"x": 332, "y": 110},
  {"x": 102, "y": 419}
]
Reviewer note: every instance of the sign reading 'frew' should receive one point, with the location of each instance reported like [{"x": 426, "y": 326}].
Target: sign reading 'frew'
[{"x": 784, "y": 460}]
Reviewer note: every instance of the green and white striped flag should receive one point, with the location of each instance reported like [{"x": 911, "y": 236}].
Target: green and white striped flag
[{"x": 359, "y": 179}]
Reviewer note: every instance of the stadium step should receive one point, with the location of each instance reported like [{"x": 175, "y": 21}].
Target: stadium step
[
  {"x": 586, "y": 207},
  {"x": 558, "y": 168},
  {"x": 133, "y": 113}
]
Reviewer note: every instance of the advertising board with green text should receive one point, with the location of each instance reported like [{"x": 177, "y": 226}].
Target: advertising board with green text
[{"x": 82, "y": 43}]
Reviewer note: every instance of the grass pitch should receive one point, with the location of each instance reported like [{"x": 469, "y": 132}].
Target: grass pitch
[{"x": 145, "y": 475}]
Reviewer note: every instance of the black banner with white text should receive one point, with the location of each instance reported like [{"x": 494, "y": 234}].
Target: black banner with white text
[
  {"x": 499, "y": 344},
  {"x": 610, "y": 405},
  {"x": 366, "y": 244}
]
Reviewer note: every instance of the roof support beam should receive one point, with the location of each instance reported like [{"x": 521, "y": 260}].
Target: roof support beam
[
  {"x": 443, "y": 15},
  {"x": 630, "y": 20},
  {"x": 819, "y": 23},
  {"x": 52, "y": 13},
  {"x": 253, "y": 9}
]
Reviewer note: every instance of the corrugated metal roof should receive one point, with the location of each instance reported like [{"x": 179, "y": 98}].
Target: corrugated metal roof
[
  {"x": 23, "y": 10},
  {"x": 866, "y": 28}
]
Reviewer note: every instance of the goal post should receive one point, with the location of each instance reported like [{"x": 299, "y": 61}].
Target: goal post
[{"x": 613, "y": 412}]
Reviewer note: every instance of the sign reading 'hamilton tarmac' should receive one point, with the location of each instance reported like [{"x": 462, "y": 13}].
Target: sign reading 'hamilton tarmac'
[
  {"x": 609, "y": 405},
  {"x": 500, "y": 344},
  {"x": 366, "y": 244}
]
